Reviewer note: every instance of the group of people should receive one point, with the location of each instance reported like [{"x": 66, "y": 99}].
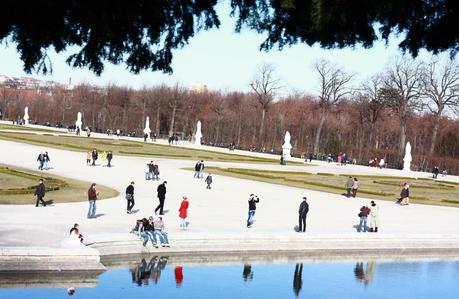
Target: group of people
[
  {"x": 153, "y": 231},
  {"x": 152, "y": 172},
  {"x": 43, "y": 161},
  {"x": 93, "y": 156},
  {"x": 352, "y": 186}
]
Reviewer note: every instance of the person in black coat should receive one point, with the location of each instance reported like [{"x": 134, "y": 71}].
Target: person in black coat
[
  {"x": 40, "y": 193},
  {"x": 130, "y": 197},
  {"x": 303, "y": 211},
  {"x": 253, "y": 200},
  {"x": 109, "y": 158},
  {"x": 161, "y": 196}
]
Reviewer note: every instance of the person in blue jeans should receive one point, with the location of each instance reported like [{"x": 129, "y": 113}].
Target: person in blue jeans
[
  {"x": 147, "y": 232},
  {"x": 364, "y": 212},
  {"x": 92, "y": 197},
  {"x": 253, "y": 200}
]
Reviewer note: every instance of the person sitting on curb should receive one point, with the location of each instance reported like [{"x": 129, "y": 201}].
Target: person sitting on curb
[
  {"x": 405, "y": 195},
  {"x": 161, "y": 231},
  {"x": 147, "y": 232},
  {"x": 364, "y": 212}
]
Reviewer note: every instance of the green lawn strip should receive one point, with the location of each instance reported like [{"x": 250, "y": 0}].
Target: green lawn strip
[
  {"x": 129, "y": 147},
  {"x": 425, "y": 194},
  {"x": 19, "y": 184},
  {"x": 415, "y": 185},
  {"x": 24, "y": 128}
]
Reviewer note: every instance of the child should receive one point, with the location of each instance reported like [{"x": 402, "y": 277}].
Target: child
[{"x": 209, "y": 181}]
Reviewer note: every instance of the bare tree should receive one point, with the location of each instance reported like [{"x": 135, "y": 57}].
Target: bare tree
[
  {"x": 264, "y": 85},
  {"x": 334, "y": 86},
  {"x": 6, "y": 97},
  {"x": 175, "y": 101},
  {"x": 402, "y": 91},
  {"x": 440, "y": 87}
]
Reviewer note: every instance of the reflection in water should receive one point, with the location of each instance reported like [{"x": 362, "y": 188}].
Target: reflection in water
[
  {"x": 178, "y": 276},
  {"x": 297, "y": 279},
  {"x": 365, "y": 275},
  {"x": 144, "y": 270},
  {"x": 247, "y": 273}
]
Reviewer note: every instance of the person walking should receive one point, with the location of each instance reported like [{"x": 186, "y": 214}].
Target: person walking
[
  {"x": 405, "y": 195},
  {"x": 130, "y": 197},
  {"x": 183, "y": 213},
  {"x": 40, "y": 191},
  {"x": 109, "y": 158},
  {"x": 209, "y": 181},
  {"x": 197, "y": 167},
  {"x": 374, "y": 217},
  {"x": 348, "y": 185},
  {"x": 303, "y": 212},
  {"x": 364, "y": 212},
  {"x": 92, "y": 197},
  {"x": 150, "y": 169},
  {"x": 161, "y": 196},
  {"x": 355, "y": 187},
  {"x": 253, "y": 200},
  {"x": 201, "y": 170},
  {"x": 103, "y": 157}
]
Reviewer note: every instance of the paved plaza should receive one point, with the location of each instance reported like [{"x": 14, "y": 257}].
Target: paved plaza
[{"x": 221, "y": 211}]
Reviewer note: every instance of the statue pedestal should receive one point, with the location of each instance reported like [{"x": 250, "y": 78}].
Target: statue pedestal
[{"x": 286, "y": 150}]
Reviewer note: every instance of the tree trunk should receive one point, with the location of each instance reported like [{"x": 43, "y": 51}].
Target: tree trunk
[
  {"x": 171, "y": 126},
  {"x": 158, "y": 114},
  {"x": 435, "y": 126},
  {"x": 402, "y": 136},
  {"x": 262, "y": 125},
  {"x": 319, "y": 130},
  {"x": 239, "y": 129}
]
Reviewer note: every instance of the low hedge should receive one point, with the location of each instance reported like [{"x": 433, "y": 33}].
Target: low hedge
[{"x": 51, "y": 184}]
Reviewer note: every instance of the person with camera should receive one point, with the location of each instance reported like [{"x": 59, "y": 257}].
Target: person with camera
[{"x": 253, "y": 200}]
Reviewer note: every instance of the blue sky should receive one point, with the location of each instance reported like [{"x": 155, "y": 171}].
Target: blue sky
[{"x": 223, "y": 60}]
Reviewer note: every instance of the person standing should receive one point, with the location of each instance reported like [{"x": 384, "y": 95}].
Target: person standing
[
  {"x": 94, "y": 155},
  {"x": 109, "y": 158},
  {"x": 349, "y": 184},
  {"x": 303, "y": 212},
  {"x": 155, "y": 171},
  {"x": 183, "y": 213},
  {"x": 364, "y": 212},
  {"x": 374, "y": 217},
  {"x": 92, "y": 197},
  {"x": 253, "y": 200},
  {"x": 88, "y": 158},
  {"x": 209, "y": 181},
  {"x": 405, "y": 195},
  {"x": 46, "y": 160},
  {"x": 103, "y": 157},
  {"x": 41, "y": 160},
  {"x": 161, "y": 196},
  {"x": 355, "y": 187},
  {"x": 201, "y": 170},
  {"x": 150, "y": 170},
  {"x": 40, "y": 193},
  {"x": 197, "y": 167},
  {"x": 130, "y": 197}
]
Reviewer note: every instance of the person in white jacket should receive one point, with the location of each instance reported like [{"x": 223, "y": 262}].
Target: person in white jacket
[{"x": 374, "y": 217}]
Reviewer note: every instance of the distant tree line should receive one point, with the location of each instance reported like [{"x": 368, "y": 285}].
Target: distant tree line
[{"x": 409, "y": 101}]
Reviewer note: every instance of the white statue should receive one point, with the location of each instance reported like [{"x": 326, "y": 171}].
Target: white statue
[
  {"x": 407, "y": 159},
  {"x": 198, "y": 135},
  {"x": 147, "y": 127},
  {"x": 79, "y": 122},
  {"x": 26, "y": 116},
  {"x": 287, "y": 147}
]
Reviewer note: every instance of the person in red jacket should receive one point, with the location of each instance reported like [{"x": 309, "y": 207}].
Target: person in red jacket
[{"x": 183, "y": 213}]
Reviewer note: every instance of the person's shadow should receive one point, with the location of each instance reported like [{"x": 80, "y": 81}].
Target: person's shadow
[
  {"x": 297, "y": 279},
  {"x": 99, "y": 215},
  {"x": 49, "y": 202}
]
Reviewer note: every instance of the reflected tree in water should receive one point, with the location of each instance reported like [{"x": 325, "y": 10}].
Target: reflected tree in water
[
  {"x": 247, "y": 273},
  {"x": 365, "y": 274},
  {"x": 297, "y": 279}
]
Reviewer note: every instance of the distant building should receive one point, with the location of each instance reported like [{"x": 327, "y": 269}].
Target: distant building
[{"x": 197, "y": 87}]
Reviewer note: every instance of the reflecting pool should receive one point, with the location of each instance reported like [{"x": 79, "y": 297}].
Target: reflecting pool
[{"x": 161, "y": 277}]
